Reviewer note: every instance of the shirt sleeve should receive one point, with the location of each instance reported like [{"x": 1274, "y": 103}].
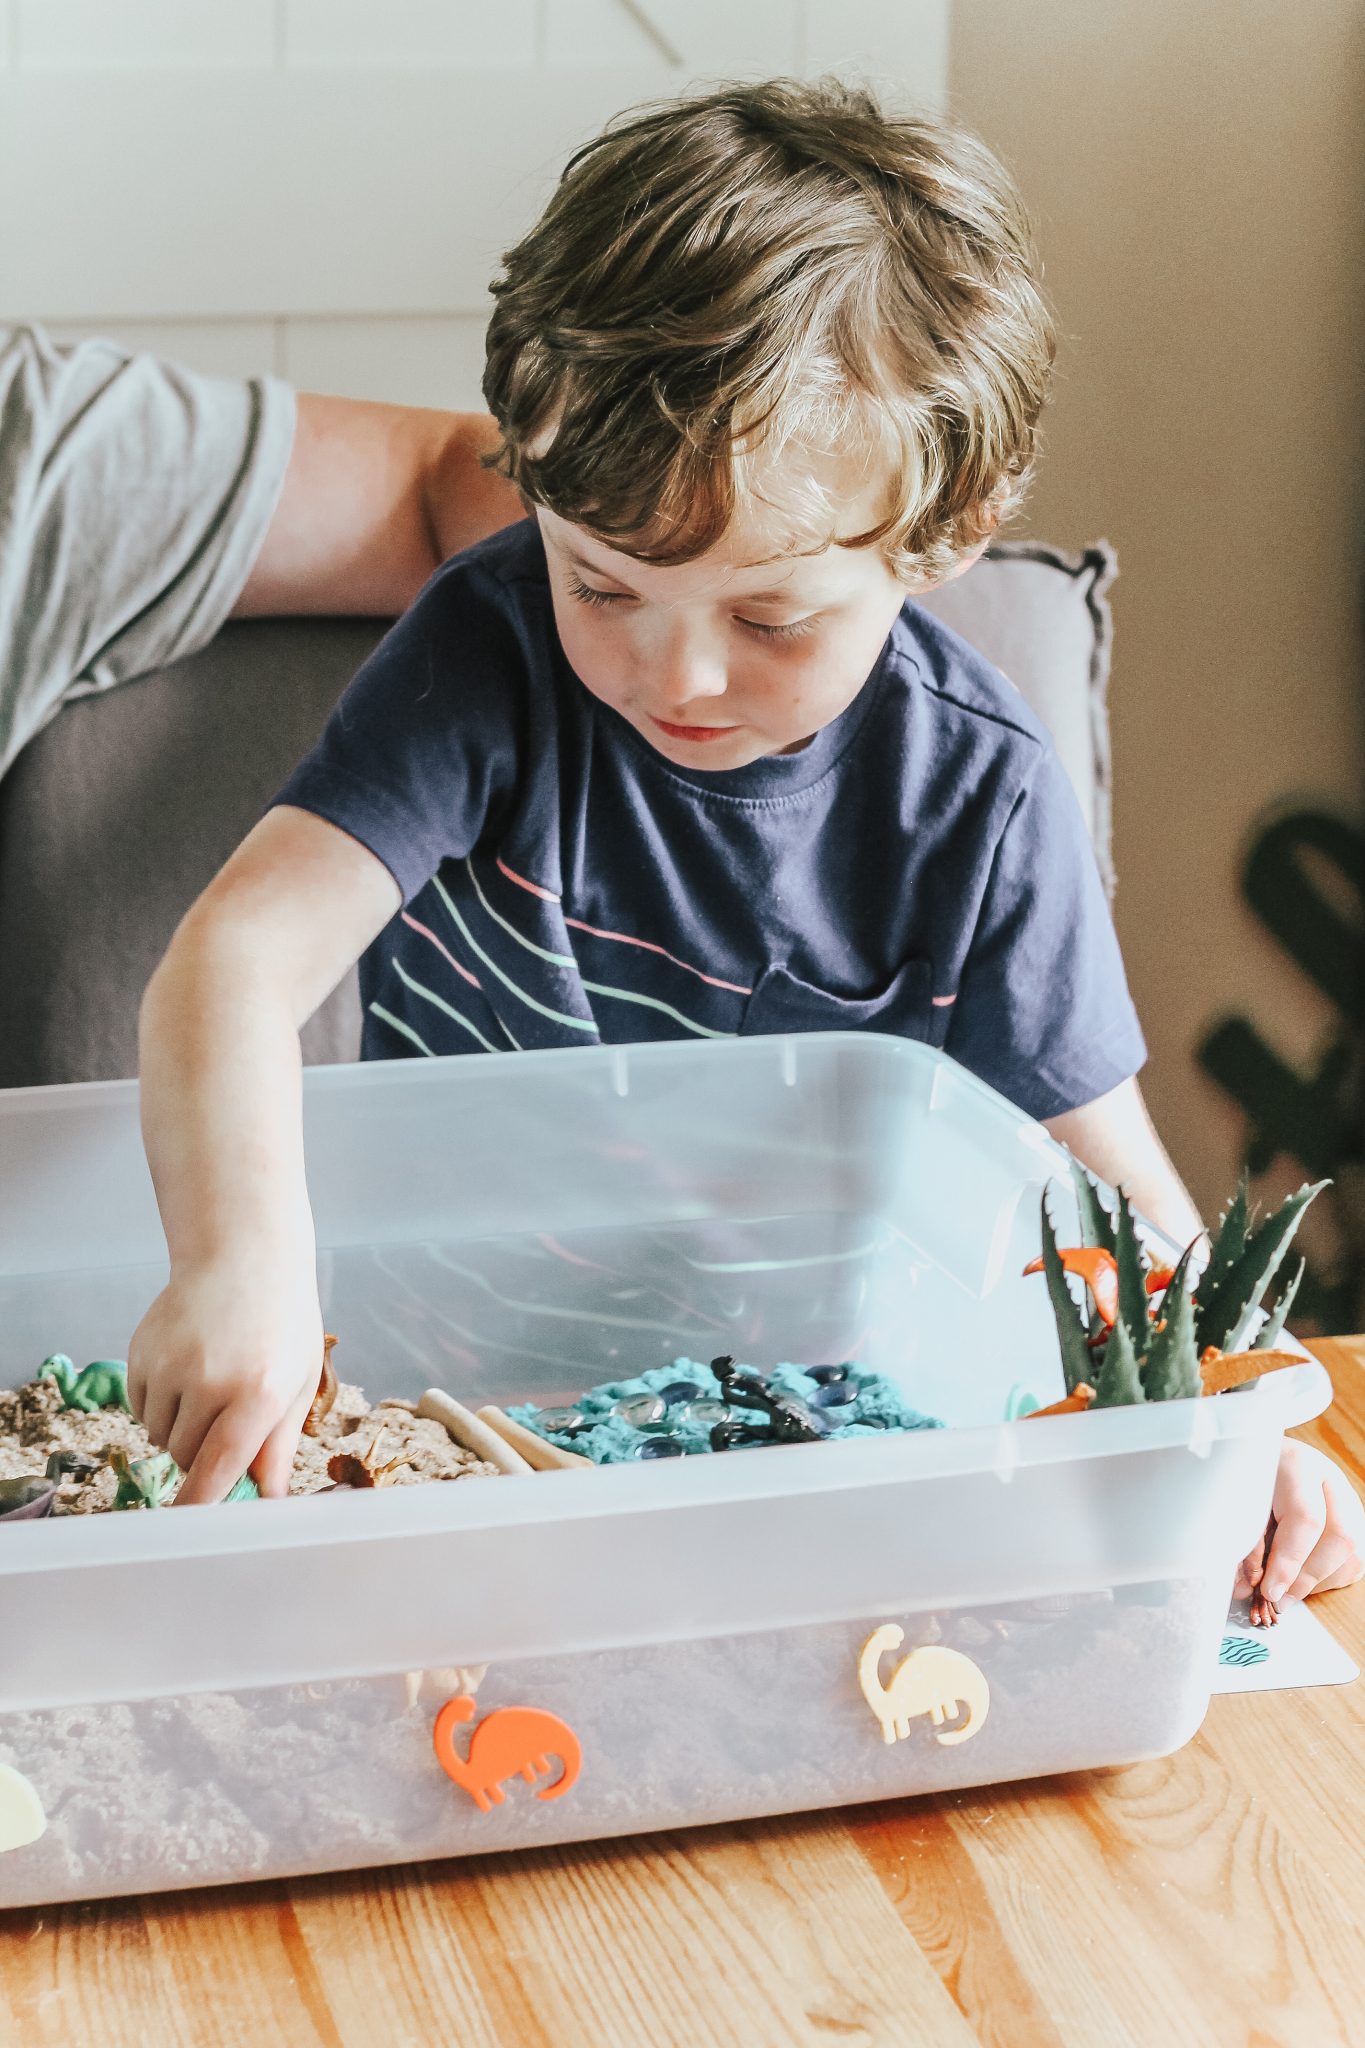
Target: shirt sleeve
[
  {"x": 420, "y": 753},
  {"x": 134, "y": 498},
  {"x": 1043, "y": 1012}
]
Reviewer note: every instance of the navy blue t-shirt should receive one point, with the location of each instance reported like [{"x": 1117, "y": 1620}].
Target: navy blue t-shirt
[{"x": 921, "y": 867}]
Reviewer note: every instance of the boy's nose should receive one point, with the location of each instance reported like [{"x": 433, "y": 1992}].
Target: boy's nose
[{"x": 692, "y": 670}]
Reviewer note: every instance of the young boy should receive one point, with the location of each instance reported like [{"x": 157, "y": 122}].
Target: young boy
[{"x": 674, "y": 757}]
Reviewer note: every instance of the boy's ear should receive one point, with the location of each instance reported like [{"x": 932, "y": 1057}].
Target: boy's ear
[{"x": 970, "y": 560}]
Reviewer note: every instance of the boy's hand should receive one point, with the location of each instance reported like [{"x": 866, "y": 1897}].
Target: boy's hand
[
  {"x": 1319, "y": 1539},
  {"x": 222, "y": 1370}
]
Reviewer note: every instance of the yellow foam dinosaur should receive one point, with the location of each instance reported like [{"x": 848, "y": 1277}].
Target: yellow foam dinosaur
[{"x": 931, "y": 1680}]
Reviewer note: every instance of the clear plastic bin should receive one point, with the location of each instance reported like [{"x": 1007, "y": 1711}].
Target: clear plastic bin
[{"x": 237, "y": 1691}]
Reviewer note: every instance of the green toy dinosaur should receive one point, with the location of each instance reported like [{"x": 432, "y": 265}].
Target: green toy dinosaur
[
  {"x": 144, "y": 1482},
  {"x": 152, "y": 1482},
  {"x": 102, "y": 1384}
]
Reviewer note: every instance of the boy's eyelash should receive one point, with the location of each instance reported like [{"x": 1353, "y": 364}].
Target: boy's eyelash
[
  {"x": 795, "y": 631},
  {"x": 585, "y": 594}
]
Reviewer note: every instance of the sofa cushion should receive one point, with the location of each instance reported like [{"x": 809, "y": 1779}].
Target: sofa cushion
[
  {"x": 1042, "y": 617},
  {"x": 118, "y": 813}
]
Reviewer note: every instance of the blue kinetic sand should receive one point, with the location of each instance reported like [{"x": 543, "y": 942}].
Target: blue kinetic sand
[{"x": 608, "y": 1438}]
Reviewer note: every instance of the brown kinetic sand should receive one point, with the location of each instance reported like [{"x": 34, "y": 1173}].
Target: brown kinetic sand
[{"x": 33, "y": 1424}]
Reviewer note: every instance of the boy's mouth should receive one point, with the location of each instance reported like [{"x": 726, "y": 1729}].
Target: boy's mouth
[{"x": 700, "y": 733}]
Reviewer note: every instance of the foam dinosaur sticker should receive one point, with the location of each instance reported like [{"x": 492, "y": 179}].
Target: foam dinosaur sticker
[
  {"x": 510, "y": 1742},
  {"x": 22, "y": 1819},
  {"x": 931, "y": 1680}
]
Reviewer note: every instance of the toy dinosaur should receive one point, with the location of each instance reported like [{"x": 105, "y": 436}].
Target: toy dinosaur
[
  {"x": 788, "y": 1419},
  {"x": 144, "y": 1482},
  {"x": 153, "y": 1482},
  {"x": 102, "y": 1384},
  {"x": 26, "y": 1499},
  {"x": 932, "y": 1680},
  {"x": 1154, "y": 1334},
  {"x": 510, "y": 1742},
  {"x": 325, "y": 1398}
]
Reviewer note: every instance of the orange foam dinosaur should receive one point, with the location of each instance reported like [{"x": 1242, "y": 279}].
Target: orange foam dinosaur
[
  {"x": 507, "y": 1742},
  {"x": 1100, "y": 1272}
]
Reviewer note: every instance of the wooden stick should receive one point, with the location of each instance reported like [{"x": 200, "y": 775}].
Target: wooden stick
[
  {"x": 546, "y": 1457},
  {"x": 469, "y": 1432}
]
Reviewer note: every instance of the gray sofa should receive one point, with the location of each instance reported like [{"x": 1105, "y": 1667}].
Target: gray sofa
[{"x": 118, "y": 813}]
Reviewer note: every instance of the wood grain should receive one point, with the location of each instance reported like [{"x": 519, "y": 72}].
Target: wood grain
[{"x": 1212, "y": 1899}]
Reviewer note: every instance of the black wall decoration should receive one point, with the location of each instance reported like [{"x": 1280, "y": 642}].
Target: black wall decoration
[{"x": 1305, "y": 880}]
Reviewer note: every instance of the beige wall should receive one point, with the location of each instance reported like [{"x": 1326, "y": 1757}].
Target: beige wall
[{"x": 1198, "y": 171}]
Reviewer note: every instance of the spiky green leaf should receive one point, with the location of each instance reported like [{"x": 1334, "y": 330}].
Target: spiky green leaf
[
  {"x": 1171, "y": 1372},
  {"x": 1273, "y": 1327},
  {"x": 1224, "y": 1318},
  {"x": 1229, "y": 1243},
  {"x": 1119, "y": 1383},
  {"x": 1097, "y": 1225},
  {"x": 1070, "y": 1326},
  {"x": 1132, "y": 1278}
]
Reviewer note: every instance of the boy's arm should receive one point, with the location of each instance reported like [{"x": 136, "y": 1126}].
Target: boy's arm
[
  {"x": 1115, "y": 1138},
  {"x": 226, "y": 1361},
  {"x": 374, "y": 499}
]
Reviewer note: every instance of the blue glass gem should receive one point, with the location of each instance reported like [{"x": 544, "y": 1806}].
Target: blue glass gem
[
  {"x": 642, "y": 1411},
  {"x": 558, "y": 1419},
  {"x": 827, "y": 1375},
  {"x": 659, "y": 1447},
  {"x": 680, "y": 1390},
  {"x": 833, "y": 1394},
  {"x": 703, "y": 1413}
]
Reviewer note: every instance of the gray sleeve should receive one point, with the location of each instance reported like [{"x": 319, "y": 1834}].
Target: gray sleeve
[{"x": 134, "y": 498}]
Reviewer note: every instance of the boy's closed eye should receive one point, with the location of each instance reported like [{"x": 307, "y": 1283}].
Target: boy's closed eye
[{"x": 791, "y": 629}]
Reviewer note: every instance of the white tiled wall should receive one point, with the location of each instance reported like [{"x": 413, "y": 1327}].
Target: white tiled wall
[{"x": 322, "y": 187}]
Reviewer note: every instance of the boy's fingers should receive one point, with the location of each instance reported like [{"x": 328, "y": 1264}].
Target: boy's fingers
[
  {"x": 1249, "y": 1571},
  {"x": 137, "y": 1382},
  {"x": 273, "y": 1468},
  {"x": 1295, "y": 1540},
  {"x": 227, "y": 1448},
  {"x": 192, "y": 1425},
  {"x": 1326, "y": 1560},
  {"x": 1346, "y": 1574},
  {"x": 160, "y": 1416}
]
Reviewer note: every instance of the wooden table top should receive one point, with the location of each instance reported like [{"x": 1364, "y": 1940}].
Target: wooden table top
[{"x": 1213, "y": 1899}]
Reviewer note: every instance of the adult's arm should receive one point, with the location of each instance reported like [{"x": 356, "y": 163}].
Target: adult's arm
[
  {"x": 142, "y": 503},
  {"x": 374, "y": 498}
]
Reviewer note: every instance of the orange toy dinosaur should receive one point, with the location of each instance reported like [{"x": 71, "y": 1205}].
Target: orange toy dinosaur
[
  {"x": 1100, "y": 1272},
  {"x": 509, "y": 1741}
]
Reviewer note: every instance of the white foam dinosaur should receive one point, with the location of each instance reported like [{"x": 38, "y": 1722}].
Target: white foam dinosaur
[{"x": 931, "y": 1680}]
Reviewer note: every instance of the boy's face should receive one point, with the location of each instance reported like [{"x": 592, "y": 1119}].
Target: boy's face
[{"x": 741, "y": 653}]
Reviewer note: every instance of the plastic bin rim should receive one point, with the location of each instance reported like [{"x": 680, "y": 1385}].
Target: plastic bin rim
[
  {"x": 617, "y": 1491},
  {"x": 340, "y": 1074}
]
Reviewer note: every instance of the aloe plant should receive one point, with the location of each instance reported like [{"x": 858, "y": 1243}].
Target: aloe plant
[
  {"x": 1071, "y": 1330},
  {"x": 1148, "y": 1330}
]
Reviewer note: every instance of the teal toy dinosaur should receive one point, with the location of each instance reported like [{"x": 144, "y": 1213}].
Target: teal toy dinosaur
[
  {"x": 153, "y": 1482},
  {"x": 102, "y": 1384},
  {"x": 144, "y": 1482}
]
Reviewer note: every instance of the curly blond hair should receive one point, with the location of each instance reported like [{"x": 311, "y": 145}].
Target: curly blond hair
[{"x": 725, "y": 287}]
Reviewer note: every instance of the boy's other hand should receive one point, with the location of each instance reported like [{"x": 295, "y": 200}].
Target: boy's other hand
[
  {"x": 222, "y": 1371},
  {"x": 1319, "y": 1539}
]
